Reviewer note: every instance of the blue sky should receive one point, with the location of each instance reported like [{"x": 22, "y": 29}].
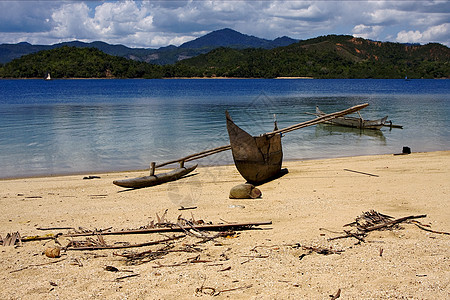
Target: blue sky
[{"x": 153, "y": 24}]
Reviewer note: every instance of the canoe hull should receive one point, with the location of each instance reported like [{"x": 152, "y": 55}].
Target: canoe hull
[
  {"x": 147, "y": 181},
  {"x": 355, "y": 122},
  {"x": 258, "y": 159}
]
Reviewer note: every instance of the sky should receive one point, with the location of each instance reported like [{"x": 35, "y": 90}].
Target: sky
[{"x": 154, "y": 24}]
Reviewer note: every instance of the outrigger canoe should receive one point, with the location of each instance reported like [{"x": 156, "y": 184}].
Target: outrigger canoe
[
  {"x": 353, "y": 121},
  {"x": 257, "y": 158},
  {"x": 146, "y": 181}
]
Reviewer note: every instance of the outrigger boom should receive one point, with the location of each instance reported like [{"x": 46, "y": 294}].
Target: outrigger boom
[{"x": 316, "y": 121}]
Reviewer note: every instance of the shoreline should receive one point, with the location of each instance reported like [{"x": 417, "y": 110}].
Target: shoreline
[
  {"x": 87, "y": 173},
  {"x": 307, "y": 207}
]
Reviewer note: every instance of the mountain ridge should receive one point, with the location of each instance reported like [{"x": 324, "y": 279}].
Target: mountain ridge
[{"x": 162, "y": 56}]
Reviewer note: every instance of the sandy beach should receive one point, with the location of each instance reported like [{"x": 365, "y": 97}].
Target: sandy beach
[{"x": 307, "y": 207}]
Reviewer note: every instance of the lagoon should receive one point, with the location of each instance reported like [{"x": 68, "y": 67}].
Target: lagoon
[{"x": 88, "y": 126}]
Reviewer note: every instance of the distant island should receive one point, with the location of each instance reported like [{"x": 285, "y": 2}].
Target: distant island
[{"x": 227, "y": 53}]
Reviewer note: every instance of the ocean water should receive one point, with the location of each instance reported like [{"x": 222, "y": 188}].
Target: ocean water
[{"x": 88, "y": 126}]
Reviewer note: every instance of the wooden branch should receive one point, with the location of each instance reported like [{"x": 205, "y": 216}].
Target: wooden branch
[
  {"x": 127, "y": 276},
  {"x": 53, "y": 228},
  {"x": 390, "y": 223},
  {"x": 218, "y": 227},
  {"x": 355, "y": 235},
  {"x": 338, "y": 294},
  {"x": 429, "y": 230},
  {"x": 210, "y": 227},
  {"x": 101, "y": 247},
  {"x": 38, "y": 265},
  {"x": 361, "y": 173},
  {"x": 186, "y": 208}
]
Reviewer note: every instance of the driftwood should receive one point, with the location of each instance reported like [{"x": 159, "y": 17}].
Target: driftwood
[
  {"x": 126, "y": 276},
  {"x": 213, "y": 292},
  {"x": 348, "y": 170},
  {"x": 393, "y": 222},
  {"x": 370, "y": 221},
  {"x": 11, "y": 239},
  {"x": 338, "y": 294},
  {"x": 104, "y": 246},
  {"x": 208, "y": 227},
  {"x": 38, "y": 265},
  {"x": 171, "y": 228},
  {"x": 421, "y": 226}
]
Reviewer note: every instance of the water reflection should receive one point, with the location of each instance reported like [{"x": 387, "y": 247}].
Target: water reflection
[{"x": 327, "y": 129}]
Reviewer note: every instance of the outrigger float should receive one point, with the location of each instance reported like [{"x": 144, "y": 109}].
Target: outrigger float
[{"x": 257, "y": 158}]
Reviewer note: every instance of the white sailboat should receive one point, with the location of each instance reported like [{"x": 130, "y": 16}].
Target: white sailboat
[{"x": 48, "y": 77}]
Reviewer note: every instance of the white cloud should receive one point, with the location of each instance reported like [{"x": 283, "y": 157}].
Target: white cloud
[
  {"x": 439, "y": 33},
  {"x": 160, "y": 23},
  {"x": 72, "y": 22},
  {"x": 367, "y": 32}
]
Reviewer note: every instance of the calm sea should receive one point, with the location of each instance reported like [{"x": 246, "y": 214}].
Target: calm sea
[{"x": 88, "y": 126}]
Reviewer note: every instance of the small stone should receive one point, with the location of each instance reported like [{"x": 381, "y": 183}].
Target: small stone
[
  {"x": 245, "y": 191},
  {"x": 53, "y": 252}
]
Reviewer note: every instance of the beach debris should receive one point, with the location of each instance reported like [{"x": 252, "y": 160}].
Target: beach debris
[
  {"x": 187, "y": 208},
  {"x": 236, "y": 206},
  {"x": 53, "y": 252},
  {"x": 370, "y": 221},
  {"x": 38, "y": 265},
  {"x": 111, "y": 269},
  {"x": 92, "y": 244},
  {"x": 54, "y": 228},
  {"x": 406, "y": 150},
  {"x": 318, "y": 250},
  {"x": 424, "y": 227},
  {"x": 91, "y": 177},
  {"x": 11, "y": 239},
  {"x": 368, "y": 174},
  {"x": 213, "y": 291},
  {"x": 127, "y": 276},
  {"x": 245, "y": 191},
  {"x": 337, "y": 295}
]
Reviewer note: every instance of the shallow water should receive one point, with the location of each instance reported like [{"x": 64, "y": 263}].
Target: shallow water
[{"x": 73, "y": 126}]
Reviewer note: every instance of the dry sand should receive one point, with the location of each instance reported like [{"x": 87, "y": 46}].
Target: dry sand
[{"x": 255, "y": 264}]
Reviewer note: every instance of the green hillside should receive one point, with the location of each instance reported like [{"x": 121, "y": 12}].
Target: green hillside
[
  {"x": 323, "y": 57},
  {"x": 328, "y": 57},
  {"x": 71, "y": 62}
]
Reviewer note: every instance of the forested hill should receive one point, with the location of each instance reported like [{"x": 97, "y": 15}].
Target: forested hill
[
  {"x": 323, "y": 57},
  {"x": 72, "y": 62},
  {"x": 328, "y": 57}
]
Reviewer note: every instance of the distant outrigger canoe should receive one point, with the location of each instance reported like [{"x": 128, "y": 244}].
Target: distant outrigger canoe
[{"x": 354, "y": 122}]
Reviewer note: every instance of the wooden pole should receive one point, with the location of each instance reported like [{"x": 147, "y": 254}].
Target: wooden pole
[
  {"x": 319, "y": 120},
  {"x": 152, "y": 168}
]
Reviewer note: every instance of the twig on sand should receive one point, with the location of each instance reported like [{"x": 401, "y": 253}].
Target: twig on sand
[
  {"x": 213, "y": 292},
  {"x": 337, "y": 295},
  {"x": 418, "y": 224},
  {"x": 38, "y": 265},
  {"x": 348, "y": 170},
  {"x": 127, "y": 276}
]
